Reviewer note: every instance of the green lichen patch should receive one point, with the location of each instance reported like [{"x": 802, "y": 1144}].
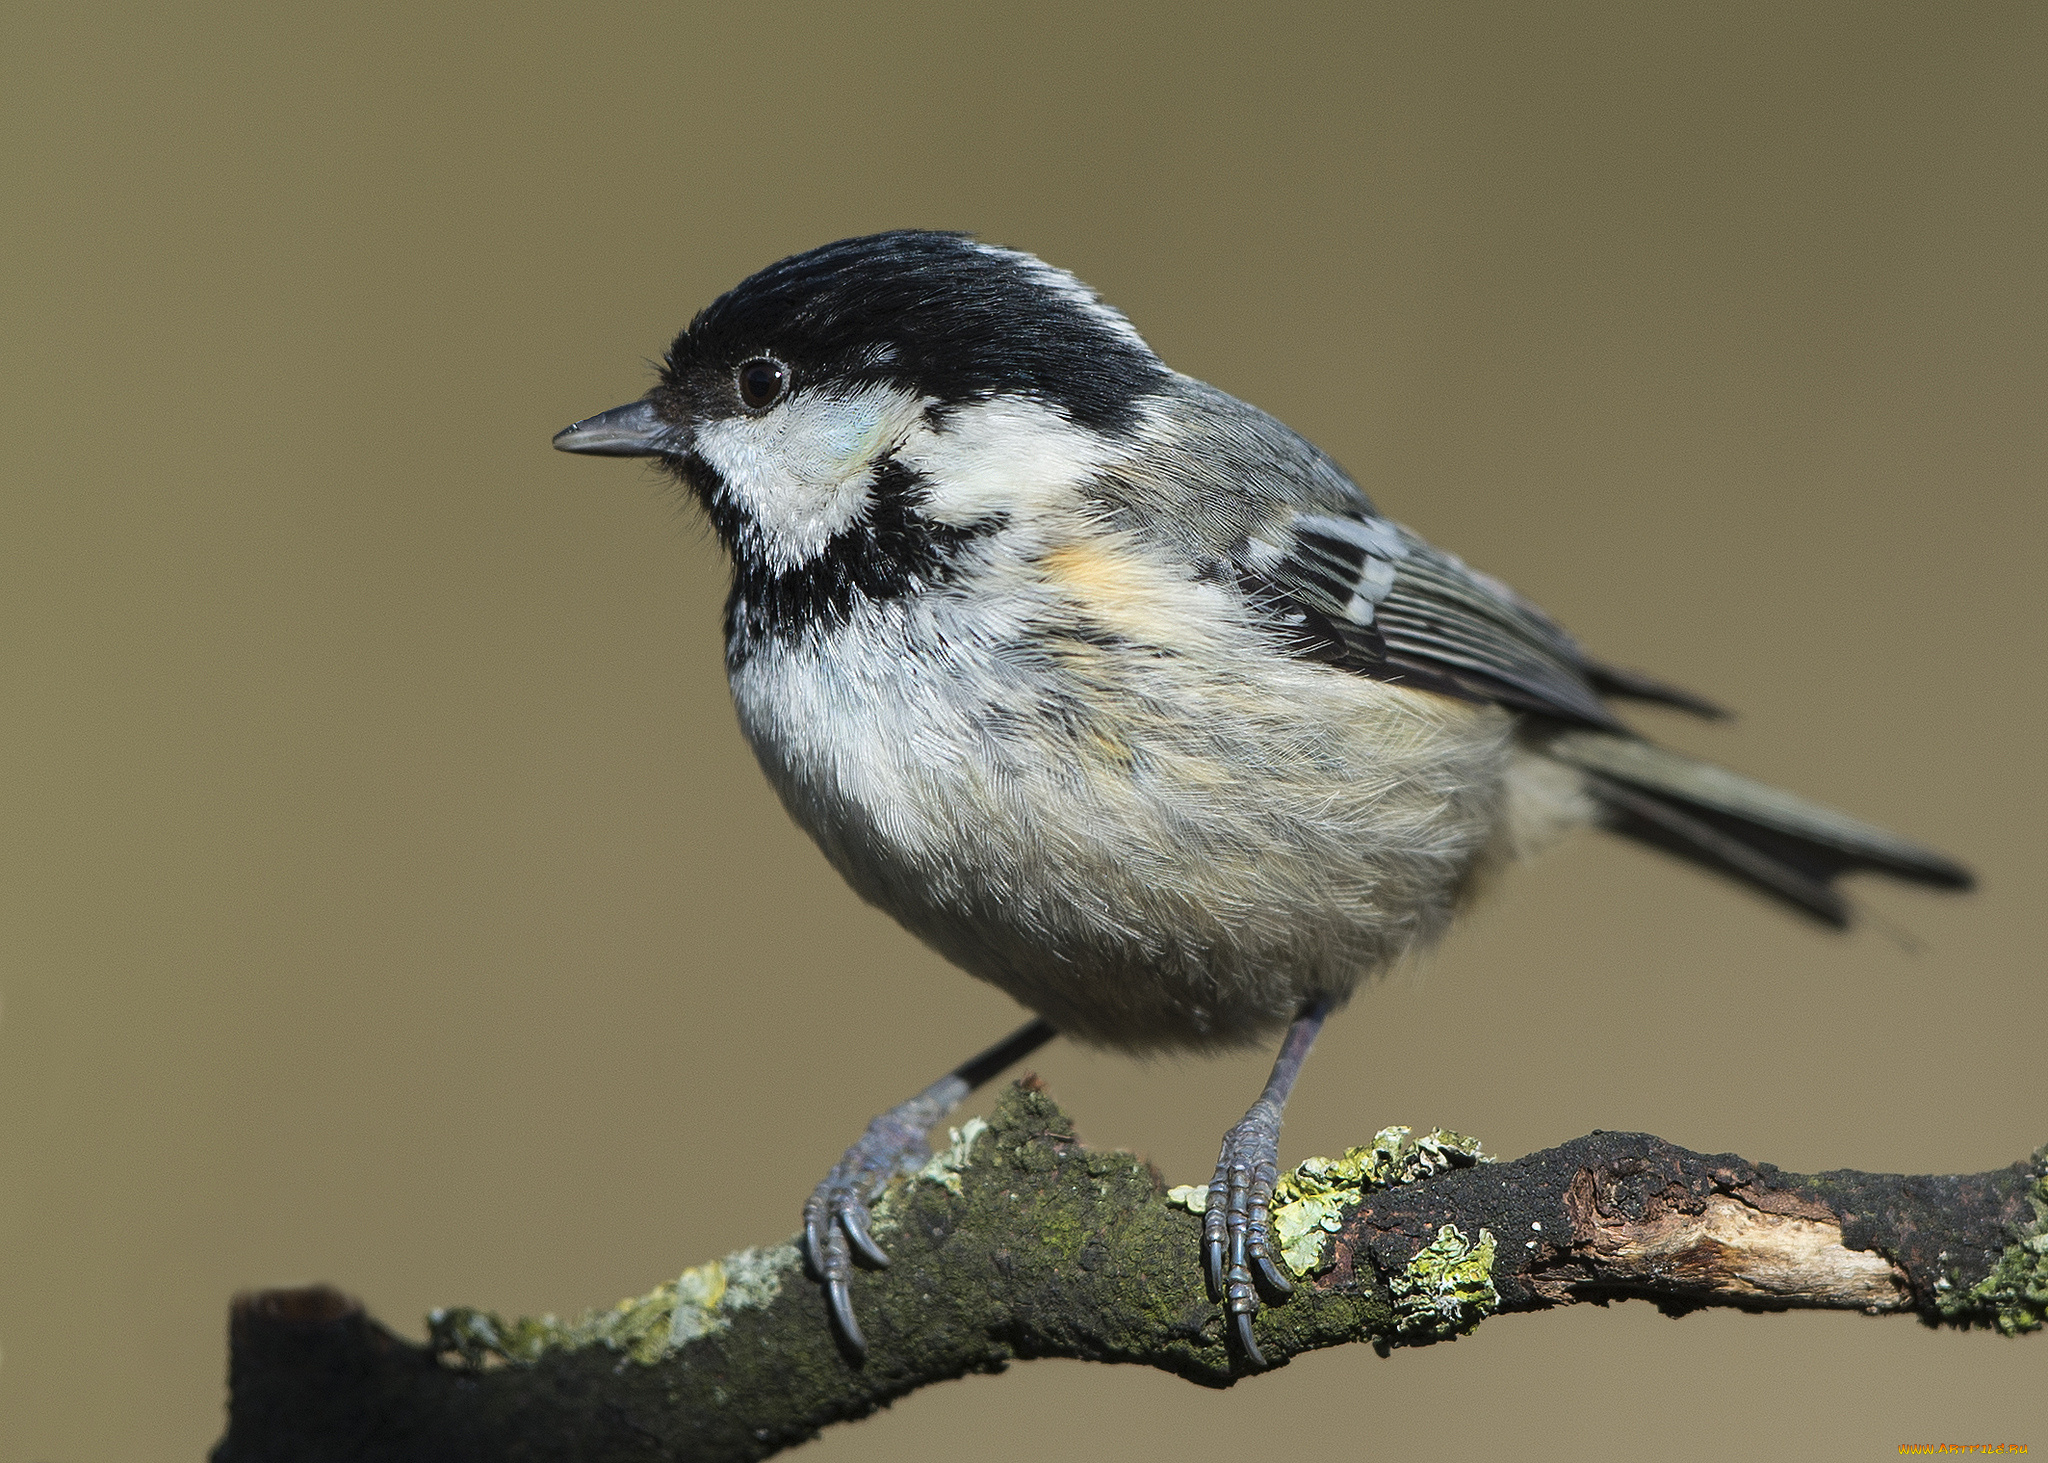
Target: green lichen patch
[
  {"x": 643, "y": 1328},
  {"x": 2014, "y": 1296},
  {"x": 1309, "y": 1202},
  {"x": 947, "y": 1166},
  {"x": 1303, "y": 1227},
  {"x": 1395, "y": 1156},
  {"x": 1447, "y": 1288}
]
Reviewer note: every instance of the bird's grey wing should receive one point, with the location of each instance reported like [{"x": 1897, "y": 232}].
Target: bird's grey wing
[
  {"x": 1370, "y": 596},
  {"x": 1348, "y": 586}
]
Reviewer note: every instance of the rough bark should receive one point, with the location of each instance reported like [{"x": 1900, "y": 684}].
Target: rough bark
[{"x": 1019, "y": 1242}]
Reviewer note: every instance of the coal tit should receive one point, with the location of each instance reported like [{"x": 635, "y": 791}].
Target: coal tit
[{"x": 1123, "y": 697}]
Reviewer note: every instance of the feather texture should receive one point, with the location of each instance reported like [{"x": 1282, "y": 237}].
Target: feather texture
[
  {"x": 1788, "y": 846},
  {"x": 1120, "y": 693}
]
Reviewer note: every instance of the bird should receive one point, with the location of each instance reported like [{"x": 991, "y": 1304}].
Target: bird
[{"x": 1123, "y": 697}]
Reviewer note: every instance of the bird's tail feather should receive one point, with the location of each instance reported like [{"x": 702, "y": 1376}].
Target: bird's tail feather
[{"x": 1785, "y": 845}]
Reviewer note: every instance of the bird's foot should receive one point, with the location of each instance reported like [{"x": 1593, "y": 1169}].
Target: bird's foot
[
  {"x": 836, "y": 1218},
  {"x": 1236, "y": 1226}
]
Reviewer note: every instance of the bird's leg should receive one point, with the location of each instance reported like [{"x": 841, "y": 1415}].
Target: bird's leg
[
  {"x": 1235, "y": 1237},
  {"x": 836, "y": 1214}
]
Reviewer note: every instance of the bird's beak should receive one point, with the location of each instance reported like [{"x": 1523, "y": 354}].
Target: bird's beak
[{"x": 632, "y": 430}]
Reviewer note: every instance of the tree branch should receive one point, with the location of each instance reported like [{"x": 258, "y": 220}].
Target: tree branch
[{"x": 1018, "y": 1242}]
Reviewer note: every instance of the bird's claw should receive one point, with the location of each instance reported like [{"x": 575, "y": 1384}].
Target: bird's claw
[
  {"x": 1237, "y": 1227},
  {"x": 835, "y": 1226},
  {"x": 836, "y": 1218}
]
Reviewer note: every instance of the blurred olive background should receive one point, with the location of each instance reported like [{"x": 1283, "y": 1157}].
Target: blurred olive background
[{"x": 389, "y": 899}]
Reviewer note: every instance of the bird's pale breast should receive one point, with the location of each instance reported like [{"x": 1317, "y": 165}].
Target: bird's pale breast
[{"x": 1115, "y": 801}]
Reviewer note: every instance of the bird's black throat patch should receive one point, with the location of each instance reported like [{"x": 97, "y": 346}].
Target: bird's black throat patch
[{"x": 891, "y": 552}]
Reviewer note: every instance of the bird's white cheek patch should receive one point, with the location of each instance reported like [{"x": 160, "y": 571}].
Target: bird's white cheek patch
[
  {"x": 1007, "y": 456},
  {"x": 802, "y": 471}
]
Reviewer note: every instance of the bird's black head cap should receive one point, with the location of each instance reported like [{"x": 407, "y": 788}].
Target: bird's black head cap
[{"x": 938, "y": 314}]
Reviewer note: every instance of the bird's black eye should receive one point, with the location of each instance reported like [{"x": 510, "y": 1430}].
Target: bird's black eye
[{"x": 762, "y": 383}]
